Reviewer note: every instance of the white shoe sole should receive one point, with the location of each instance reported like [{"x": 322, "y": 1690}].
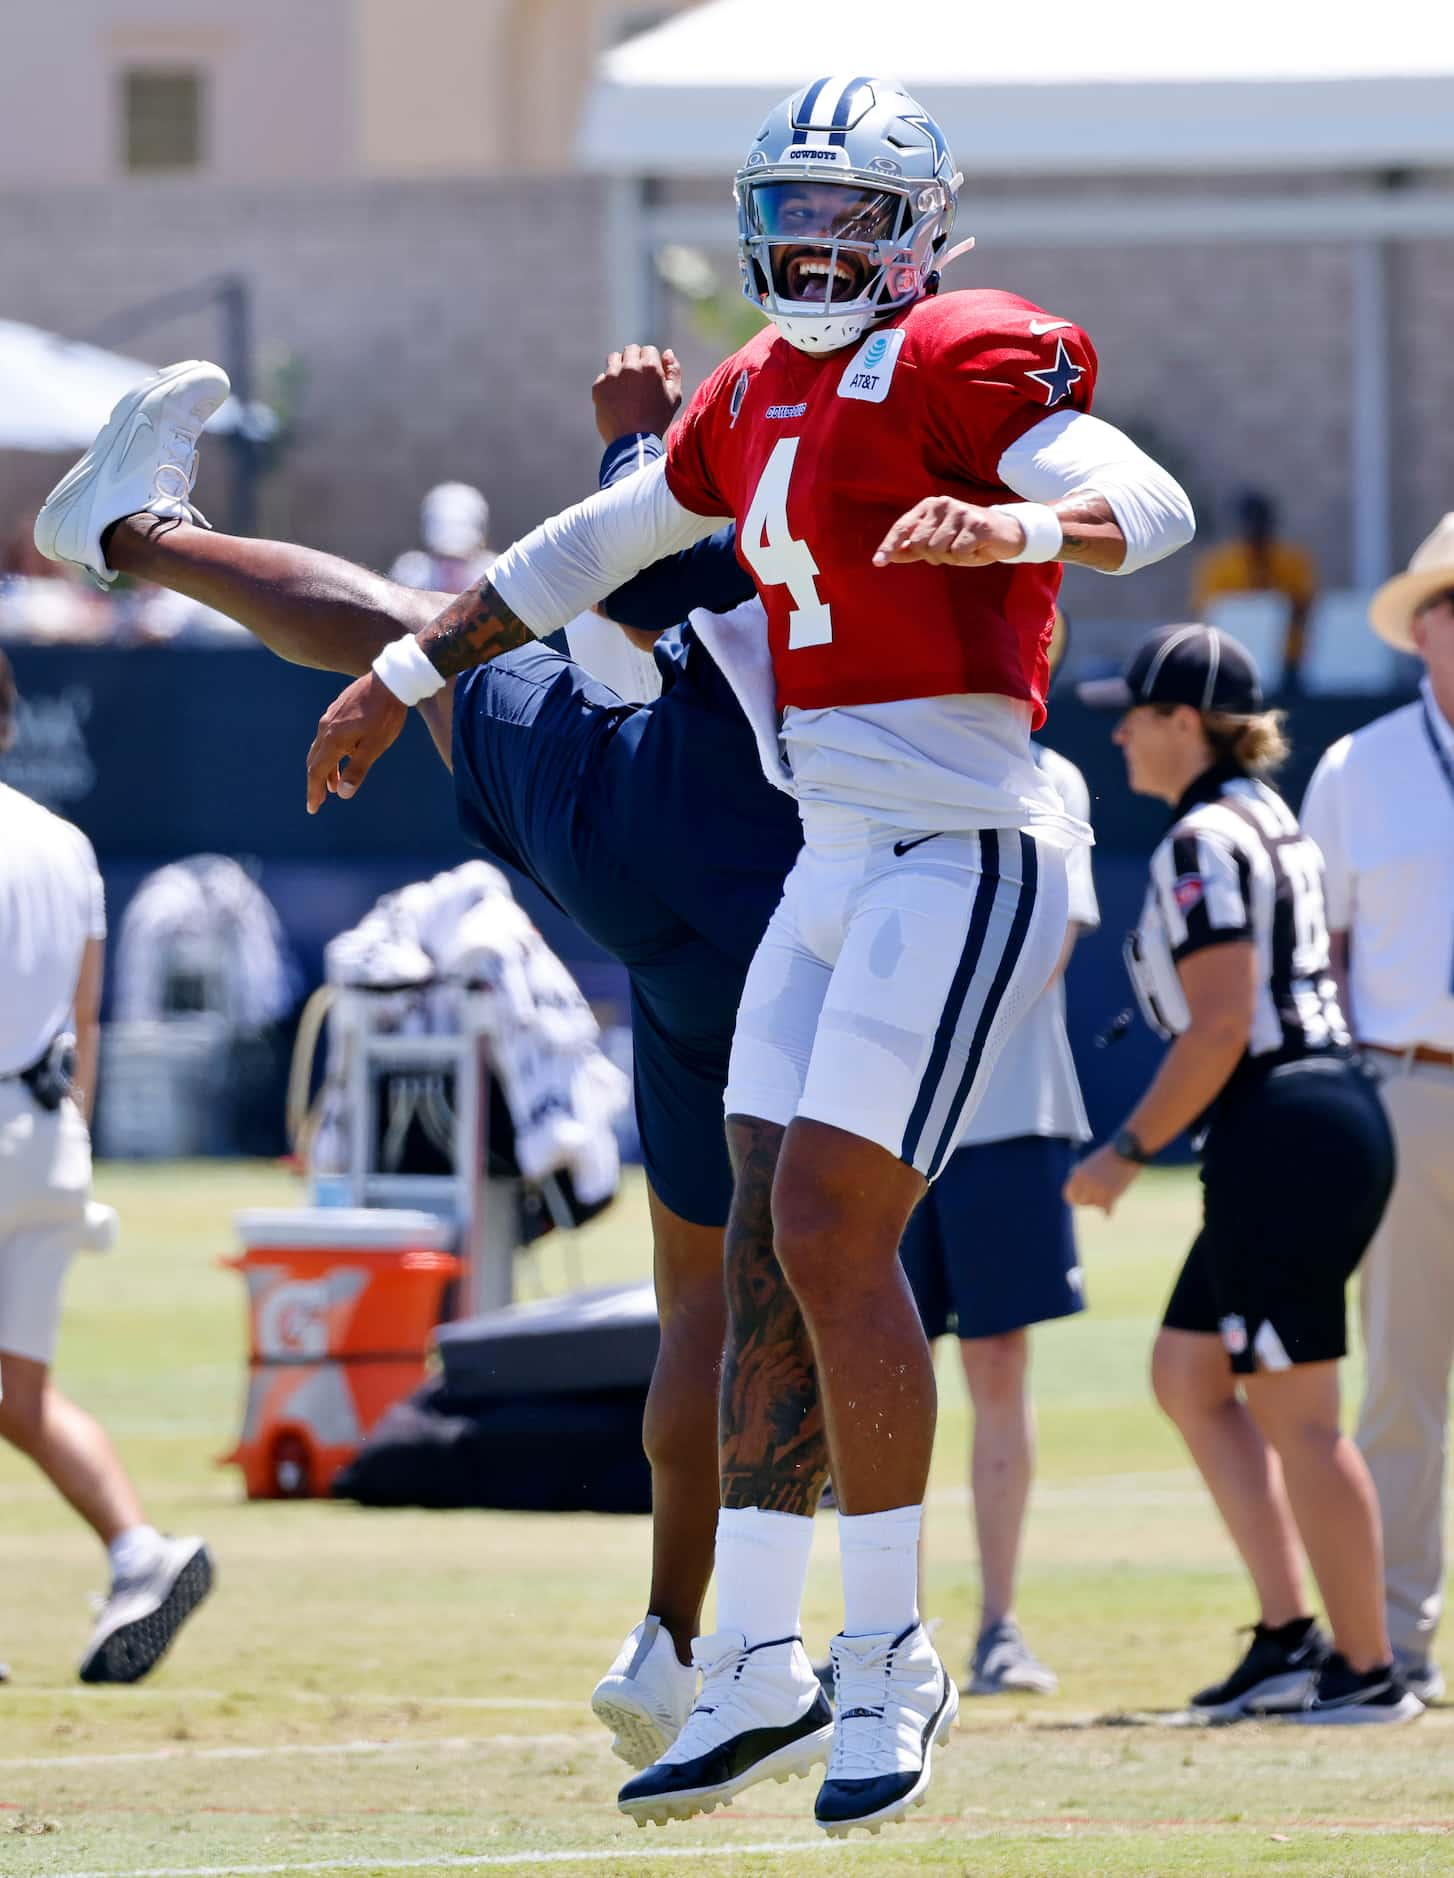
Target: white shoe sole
[
  {"x": 1356, "y": 1714},
  {"x": 56, "y": 509},
  {"x": 789, "y": 1763},
  {"x": 896, "y": 1811},
  {"x": 641, "y": 1736},
  {"x": 1279, "y": 1695}
]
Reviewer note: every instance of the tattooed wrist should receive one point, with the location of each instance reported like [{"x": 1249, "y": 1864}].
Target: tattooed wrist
[
  {"x": 472, "y": 630},
  {"x": 1091, "y": 535}
]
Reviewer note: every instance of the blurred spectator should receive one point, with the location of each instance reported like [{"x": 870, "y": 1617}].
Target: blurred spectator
[
  {"x": 1256, "y": 560},
  {"x": 44, "y": 602},
  {"x": 1381, "y": 808},
  {"x": 454, "y": 524},
  {"x": 40, "y": 600}
]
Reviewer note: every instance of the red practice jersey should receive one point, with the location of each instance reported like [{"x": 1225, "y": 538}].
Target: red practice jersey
[{"x": 817, "y": 455}]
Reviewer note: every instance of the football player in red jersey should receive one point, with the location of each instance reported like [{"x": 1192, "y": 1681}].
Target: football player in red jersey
[{"x": 907, "y": 472}]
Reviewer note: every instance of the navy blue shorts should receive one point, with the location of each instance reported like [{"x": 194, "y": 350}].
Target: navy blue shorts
[
  {"x": 990, "y": 1247},
  {"x": 538, "y": 786}
]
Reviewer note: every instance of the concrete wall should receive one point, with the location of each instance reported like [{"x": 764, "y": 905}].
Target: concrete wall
[
  {"x": 451, "y": 329},
  {"x": 440, "y": 331},
  {"x": 280, "y": 78},
  {"x": 311, "y": 90}
]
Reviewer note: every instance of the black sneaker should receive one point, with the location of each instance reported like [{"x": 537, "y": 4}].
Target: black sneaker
[
  {"x": 1275, "y": 1675},
  {"x": 1341, "y": 1695}
]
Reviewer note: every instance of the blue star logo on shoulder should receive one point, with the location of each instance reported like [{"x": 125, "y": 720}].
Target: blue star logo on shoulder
[{"x": 1061, "y": 378}]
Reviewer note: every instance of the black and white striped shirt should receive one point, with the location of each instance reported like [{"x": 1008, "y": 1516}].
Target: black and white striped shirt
[{"x": 1235, "y": 865}]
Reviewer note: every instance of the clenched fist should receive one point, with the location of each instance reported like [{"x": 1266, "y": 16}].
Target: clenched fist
[
  {"x": 640, "y": 389},
  {"x": 948, "y": 533}
]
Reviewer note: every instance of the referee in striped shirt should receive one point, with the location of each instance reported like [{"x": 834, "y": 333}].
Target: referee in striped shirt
[{"x": 1230, "y": 964}]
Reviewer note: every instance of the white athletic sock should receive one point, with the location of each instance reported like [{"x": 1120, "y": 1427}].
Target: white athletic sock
[
  {"x": 762, "y": 1567},
  {"x": 880, "y": 1554},
  {"x": 132, "y": 1552}
]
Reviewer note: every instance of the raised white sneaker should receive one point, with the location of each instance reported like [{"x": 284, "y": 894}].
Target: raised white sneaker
[
  {"x": 145, "y": 457},
  {"x": 760, "y": 1716},
  {"x": 142, "y": 1614},
  {"x": 895, "y": 1703},
  {"x": 645, "y": 1696}
]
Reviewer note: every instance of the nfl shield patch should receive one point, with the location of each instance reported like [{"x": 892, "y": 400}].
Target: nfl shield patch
[
  {"x": 1187, "y": 890},
  {"x": 1234, "y": 1335}
]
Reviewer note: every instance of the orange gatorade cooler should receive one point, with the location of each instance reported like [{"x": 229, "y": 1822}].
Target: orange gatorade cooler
[{"x": 341, "y": 1305}]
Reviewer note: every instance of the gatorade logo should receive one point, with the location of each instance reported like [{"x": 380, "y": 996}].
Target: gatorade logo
[{"x": 292, "y": 1321}]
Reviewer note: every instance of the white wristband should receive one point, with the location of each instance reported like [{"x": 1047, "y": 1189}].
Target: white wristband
[
  {"x": 1044, "y": 537},
  {"x": 403, "y": 667}
]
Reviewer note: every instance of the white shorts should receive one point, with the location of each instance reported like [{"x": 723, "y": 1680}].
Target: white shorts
[
  {"x": 890, "y": 977},
  {"x": 45, "y": 1183}
]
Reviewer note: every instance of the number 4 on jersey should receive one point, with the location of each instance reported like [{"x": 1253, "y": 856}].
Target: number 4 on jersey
[{"x": 777, "y": 558}]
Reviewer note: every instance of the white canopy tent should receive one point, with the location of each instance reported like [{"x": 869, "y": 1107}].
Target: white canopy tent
[
  {"x": 1136, "y": 86},
  {"x": 55, "y": 393},
  {"x": 1136, "y": 90}
]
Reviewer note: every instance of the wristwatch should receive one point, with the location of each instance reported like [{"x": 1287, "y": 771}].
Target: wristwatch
[{"x": 1129, "y": 1148}]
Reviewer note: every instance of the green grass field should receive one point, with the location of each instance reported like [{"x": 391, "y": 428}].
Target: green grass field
[{"x": 373, "y": 1692}]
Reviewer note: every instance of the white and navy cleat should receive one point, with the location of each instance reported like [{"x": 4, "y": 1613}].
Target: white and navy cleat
[
  {"x": 141, "y": 1615},
  {"x": 895, "y": 1704},
  {"x": 145, "y": 458},
  {"x": 644, "y": 1698},
  {"x": 761, "y": 1715}
]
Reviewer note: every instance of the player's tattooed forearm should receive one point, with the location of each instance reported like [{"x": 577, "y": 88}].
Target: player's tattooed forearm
[
  {"x": 474, "y": 629},
  {"x": 1091, "y": 535},
  {"x": 773, "y": 1452}
]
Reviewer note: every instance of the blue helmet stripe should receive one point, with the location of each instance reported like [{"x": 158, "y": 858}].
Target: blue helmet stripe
[
  {"x": 803, "y": 116},
  {"x": 843, "y": 110}
]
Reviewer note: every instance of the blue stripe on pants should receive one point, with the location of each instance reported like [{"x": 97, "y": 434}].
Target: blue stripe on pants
[
  {"x": 984, "y": 900},
  {"x": 1010, "y": 958}
]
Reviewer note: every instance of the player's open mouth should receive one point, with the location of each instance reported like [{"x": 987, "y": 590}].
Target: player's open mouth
[{"x": 809, "y": 275}]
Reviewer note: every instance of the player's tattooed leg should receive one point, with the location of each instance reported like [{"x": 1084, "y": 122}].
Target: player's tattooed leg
[
  {"x": 307, "y": 607},
  {"x": 773, "y": 1453}
]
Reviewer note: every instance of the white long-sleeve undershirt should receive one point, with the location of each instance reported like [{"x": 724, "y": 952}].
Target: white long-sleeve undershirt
[
  {"x": 575, "y": 559},
  {"x": 1073, "y": 451},
  {"x": 579, "y": 556}
]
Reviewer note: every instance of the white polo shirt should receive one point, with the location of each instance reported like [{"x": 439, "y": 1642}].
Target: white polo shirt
[
  {"x": 1033, "y": 1089},
  {"x": 51, "y": 903},
  {"x": 1381, "y": 807}
]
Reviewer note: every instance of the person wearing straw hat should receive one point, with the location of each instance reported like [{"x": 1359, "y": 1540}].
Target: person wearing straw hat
[{"x": 1381, "y": 807}]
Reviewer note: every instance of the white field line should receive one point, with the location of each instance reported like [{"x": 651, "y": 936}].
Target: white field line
[
  {"x": 637, "y": 1855},
  {"x": 459, "y": 1744},
  {"x": 392, "y": 1698}
]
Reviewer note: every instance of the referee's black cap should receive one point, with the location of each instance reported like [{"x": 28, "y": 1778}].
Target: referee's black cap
[{"x": 1196, "y": 665}]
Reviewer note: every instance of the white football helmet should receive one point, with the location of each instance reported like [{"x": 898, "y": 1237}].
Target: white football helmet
[{"x": 844, "y": 204}]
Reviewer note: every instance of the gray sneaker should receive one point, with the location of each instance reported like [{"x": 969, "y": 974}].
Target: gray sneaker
[
  {"x": 139, "y": 1617},
  {"x": 1004, "y": 1664},
  {"x": 1424, "y": 1678}
]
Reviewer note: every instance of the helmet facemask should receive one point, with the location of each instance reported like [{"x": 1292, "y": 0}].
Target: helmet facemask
[{"x": 825, "y": 256}]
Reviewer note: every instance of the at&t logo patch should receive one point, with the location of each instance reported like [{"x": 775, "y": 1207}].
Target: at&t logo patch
[{"x": 870, "y": 372}]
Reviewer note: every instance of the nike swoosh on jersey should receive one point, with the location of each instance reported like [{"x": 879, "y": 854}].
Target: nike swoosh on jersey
[
  {"x": 902, "y": 847},
  {"x": 1041, "y": 327}
]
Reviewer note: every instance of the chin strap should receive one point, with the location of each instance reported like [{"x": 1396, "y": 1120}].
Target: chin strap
[{"x": 960, "y": 247}]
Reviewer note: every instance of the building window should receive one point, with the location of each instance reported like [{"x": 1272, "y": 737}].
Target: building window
[{"x": 162, "y": 116}]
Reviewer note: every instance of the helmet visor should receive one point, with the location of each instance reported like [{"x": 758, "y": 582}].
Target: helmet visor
[{"x": 823, "y": 239}]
